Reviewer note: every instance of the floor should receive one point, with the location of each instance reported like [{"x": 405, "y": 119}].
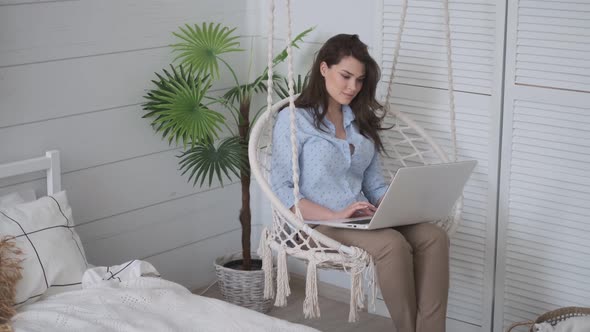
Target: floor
[{"x": 334, "y": 314}]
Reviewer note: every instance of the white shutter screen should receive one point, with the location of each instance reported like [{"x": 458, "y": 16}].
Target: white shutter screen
[
  {"x": 544, "y": 222},
  {"x": 553, "y": 44},
  {"x": 548, "y": 226},
  {"x": 470, "y": 261},
  {"x": 420, "y": 91},
  {"x": 422, "y": 59}
]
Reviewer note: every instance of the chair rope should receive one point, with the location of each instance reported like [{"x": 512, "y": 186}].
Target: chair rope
[
  {"x": 398, "y": 44},
  {"x": 294, "y": 152},
  {"x": 450, "y": 83},
  {"x": 269, "y": 55},
  {"x": 452, "y": 226},
  {"x": 450, "y": 87}
]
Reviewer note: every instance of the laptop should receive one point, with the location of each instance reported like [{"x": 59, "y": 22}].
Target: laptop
[{"x": 416, "y": 194}]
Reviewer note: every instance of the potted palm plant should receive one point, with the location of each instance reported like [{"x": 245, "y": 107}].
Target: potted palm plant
[{"x": 183, "y": 109}]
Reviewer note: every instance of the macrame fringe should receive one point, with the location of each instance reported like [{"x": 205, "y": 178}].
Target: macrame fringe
[
  {"x": 283, "y": 289},
  {"x": 356, "y": 294},
  {"x": 452, "y": 225},
  {"x": 265, "y": 254},
  {"x": 311, "y": 306},
  {"x": 371, "y": 275},
  {"x": 362, "y": 263}
]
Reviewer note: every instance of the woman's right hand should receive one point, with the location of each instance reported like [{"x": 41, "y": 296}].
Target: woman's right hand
[{"x": 356, "y": 209}]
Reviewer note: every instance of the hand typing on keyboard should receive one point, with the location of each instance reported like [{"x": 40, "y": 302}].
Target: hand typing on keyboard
[{"x": 356, "y": 209}]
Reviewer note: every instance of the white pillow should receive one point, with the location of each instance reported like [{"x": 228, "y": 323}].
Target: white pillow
[{"x": 54, "y": 259}]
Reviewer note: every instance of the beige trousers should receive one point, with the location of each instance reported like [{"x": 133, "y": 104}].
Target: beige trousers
[{"x": 412, "y": 268}]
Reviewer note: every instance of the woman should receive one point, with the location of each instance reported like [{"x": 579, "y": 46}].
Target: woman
[{"x": 340, "y": 176}]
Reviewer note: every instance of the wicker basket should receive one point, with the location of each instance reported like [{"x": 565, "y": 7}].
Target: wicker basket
[
  {"x": 553, "y": 317},
  {"x": 244, "y": 288}
]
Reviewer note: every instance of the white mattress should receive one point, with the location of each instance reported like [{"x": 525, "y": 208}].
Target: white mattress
[{"x": 132, "y": 301}]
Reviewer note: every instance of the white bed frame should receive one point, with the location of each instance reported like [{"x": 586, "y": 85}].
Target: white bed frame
[{"x": 49, "y": 163}]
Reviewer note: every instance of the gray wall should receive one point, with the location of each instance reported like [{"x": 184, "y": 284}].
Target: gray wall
[{"x": 72, "y": 77}]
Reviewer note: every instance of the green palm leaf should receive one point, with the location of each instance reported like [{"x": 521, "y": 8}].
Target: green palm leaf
[
  {"x": 201, "y": 46},
  {"x": 283, "y": 55},
  {"x": 282, "y": 89},
  {"x": 205, "y": 160},
  {"x": 259, "y": 84},
  {"x": 177, "y": 110}
]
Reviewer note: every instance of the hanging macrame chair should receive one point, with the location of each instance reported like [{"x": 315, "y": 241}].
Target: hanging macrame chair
[{"x": 406, "y": 144}]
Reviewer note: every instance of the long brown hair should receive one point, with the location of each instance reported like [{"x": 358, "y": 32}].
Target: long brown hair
[{"x": 364, "y": 106}]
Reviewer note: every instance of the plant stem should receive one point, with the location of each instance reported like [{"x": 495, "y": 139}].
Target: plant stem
[
  {"x": 245, "y": 212},
  {"x": 246, "y": 219},
  {"x": 234, "y": 76}
]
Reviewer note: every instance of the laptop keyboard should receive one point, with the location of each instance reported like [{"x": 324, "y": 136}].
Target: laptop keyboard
[{"x": 359, "y": 222}]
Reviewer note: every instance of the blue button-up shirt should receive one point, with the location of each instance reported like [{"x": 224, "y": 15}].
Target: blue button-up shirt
[{"x": 334, "y": 172}]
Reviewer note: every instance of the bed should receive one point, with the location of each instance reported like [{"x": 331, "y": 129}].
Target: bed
[{"x": 60, "y": 291}]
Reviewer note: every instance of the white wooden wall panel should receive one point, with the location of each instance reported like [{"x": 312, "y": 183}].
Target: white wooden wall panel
[
  {"x": 79, "y": 85},
  {"x": 157, "y": 228},
  {"x": 197, "y": 269},
  {"x": 126, "y": 185},
  {"x": 63, "y": 30},
  {"x": 72, "y": 77},
  {"x": 552, "y": 44},
  {"x": 123, "y": 228},
  {"x": 87, "y": 84},
  {"x": 101, "y": 133},
  {"x": 422, "y": 58},
  {"x": 28, "y": 2},
  {"x": 115, "y": 188}
]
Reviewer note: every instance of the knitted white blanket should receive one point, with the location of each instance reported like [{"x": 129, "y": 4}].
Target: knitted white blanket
[{"x": 121, "y": 299}]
